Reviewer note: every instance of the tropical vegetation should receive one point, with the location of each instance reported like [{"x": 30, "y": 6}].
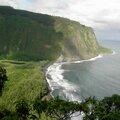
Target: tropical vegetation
[
  {"x": 31, "y": 36},
  {"x": 42, "y": 108},
  {"x": 29, "y": 41}
]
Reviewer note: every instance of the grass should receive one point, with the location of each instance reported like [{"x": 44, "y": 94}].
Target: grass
[{"x": 26, "y": 81}]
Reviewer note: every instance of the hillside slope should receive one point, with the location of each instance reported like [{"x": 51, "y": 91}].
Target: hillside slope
[{"x": 30, "y": 36}]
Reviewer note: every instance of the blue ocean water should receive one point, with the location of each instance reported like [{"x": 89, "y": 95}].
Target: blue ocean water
[{"x": 98, "y": 78}]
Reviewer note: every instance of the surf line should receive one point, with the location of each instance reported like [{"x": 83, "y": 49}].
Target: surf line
[{"x": 55, "y": 78}]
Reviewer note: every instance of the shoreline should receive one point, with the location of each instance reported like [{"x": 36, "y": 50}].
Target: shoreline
[
  {"x": 45, "y": 67},
  {"x": 58, "y": 65}
]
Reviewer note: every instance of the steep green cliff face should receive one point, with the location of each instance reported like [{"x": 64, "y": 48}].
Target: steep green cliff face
[
  {"x": 31, "y": 36},
  {"x": 79, "y": 40}
]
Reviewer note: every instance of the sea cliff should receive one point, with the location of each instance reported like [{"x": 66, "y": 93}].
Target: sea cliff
[{"x": 30, "y": 36}]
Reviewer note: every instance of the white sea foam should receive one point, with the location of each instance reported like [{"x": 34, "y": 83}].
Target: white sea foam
[
  {"x": 91, "y": 59},
  {"x": 55, "y": 78},
  {"x": 113, "y": 52},
  {"x": 56, "y": 81}
]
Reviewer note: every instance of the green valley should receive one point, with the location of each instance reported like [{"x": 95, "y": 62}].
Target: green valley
[
  {"x": 30, "y": 41},
  {"x": 25, "y": 81}
]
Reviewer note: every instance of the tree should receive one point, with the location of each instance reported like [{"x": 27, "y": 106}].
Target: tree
[
  {"x": 40, "y": 106},
  {"x": 106, "y": 109},
  {"x": 62, "y": 110},
  {"x": 22, "y": 109},
  {"x": 3, "y": 78}
]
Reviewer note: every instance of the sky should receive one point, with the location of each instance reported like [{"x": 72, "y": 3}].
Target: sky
[{"x": 102, "y": 15}]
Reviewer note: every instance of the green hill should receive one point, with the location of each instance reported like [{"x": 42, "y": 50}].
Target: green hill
[{"x": 30, "y": 36}]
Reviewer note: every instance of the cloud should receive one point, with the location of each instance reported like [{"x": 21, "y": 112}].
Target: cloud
[
  {"x": 13, "y": 3},
  {"x": 102, "y": 15}
]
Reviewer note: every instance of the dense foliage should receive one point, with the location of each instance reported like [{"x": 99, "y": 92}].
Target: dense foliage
[
  {"x": 3, "y": 78},
  {"x": 30, "y": 36},
  {"x": 22, "y": 109},
  {"x": 57, "y": 109},
  {"x": 106, "y": 109}
]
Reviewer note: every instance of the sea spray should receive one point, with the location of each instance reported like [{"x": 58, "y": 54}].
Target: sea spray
[{"x": 57, "y": 82}]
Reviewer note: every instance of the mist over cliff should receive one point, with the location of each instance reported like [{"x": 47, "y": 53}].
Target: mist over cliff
[{"x": 30, "y": 36}]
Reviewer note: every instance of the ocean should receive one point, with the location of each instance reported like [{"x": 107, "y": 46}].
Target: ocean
[{"x": 98, "y": 77}]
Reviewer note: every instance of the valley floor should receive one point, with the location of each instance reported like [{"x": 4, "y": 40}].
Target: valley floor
[{"x": 25, "y": 81}]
